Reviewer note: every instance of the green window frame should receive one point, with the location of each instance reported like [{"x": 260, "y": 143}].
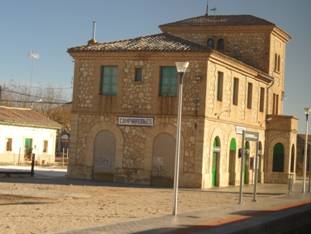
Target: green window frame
[
  {"x": 168, "y": 81},
  {"x": 109, "y": 81}
]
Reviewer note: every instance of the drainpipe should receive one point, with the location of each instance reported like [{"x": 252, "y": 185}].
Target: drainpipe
[{"x": 267, "y": 109}]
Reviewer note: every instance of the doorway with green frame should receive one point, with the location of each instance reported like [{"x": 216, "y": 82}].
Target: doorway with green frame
[
  {"x": 216, "y": 162},
  {"x": 246, "y": 163},
  {"x": 28, "y": 148},
  {"x": 232, "y": 157}
]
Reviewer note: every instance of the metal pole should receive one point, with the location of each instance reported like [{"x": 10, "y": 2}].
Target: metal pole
[
  {"x": 242, "y": 168},
  {"x": 256, "y": 171},
  {"x": 32, "y": 172},
  {"x": 309, "y": 160},
  {"x": 63, "y": 156},
  {"x": 305, "y": 155},
  {"x": 177, "y": 152}
]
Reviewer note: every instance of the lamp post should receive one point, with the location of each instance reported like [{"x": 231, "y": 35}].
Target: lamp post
[
  {"x": 307, "y": 111},
  {"x": 181, "y": 69}
]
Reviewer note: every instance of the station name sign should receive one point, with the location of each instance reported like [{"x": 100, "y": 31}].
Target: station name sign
[{"x": 136, "y": 121}]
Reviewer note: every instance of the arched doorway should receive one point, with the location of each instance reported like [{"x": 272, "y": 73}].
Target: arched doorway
[
  {"x": 246, "y": 163},
  {"x": 292, "y": 160},
  {"x": 216, "y": 162},
  {"x": 260, "y": 162},
  {"x": 278, "y": 158},
  {"x": 163, "y": 160},
  {"x": 232, "y": 155},
  {"x": 104, "y": 156}
]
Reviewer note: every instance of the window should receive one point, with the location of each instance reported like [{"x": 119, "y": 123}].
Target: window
[
  {"x": 138, "y": 74},
  {"x": 220, "y": 83},
  {"x": 9, "y": 144},
  {"x": 109, "y": 81},
  {"x": 168, "y": 81},
  {"x": 278, "y": 158},
  {"x": 249, "y": 95},
  {"x": 221, "y": 44},
  {"x": 277, "y": 62},
  {"x": 262, "y": 99},
  {"x": 235, "y": 99},
  {"x": 275, "y": 107},
  {"x": 210, "y": 43}
]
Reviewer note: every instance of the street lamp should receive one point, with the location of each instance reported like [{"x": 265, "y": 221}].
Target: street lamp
[
  {"x": 181, "y": 69},
  {"x": 307, "y": 111}
]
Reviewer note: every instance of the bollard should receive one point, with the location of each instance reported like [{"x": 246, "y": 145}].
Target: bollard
[{"x": 32, "y": 172}]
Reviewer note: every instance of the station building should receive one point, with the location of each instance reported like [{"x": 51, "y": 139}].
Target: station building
[{"x": 125, "y": 105}]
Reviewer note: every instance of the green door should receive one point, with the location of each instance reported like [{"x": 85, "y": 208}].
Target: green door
[
  {"x": 214, "y": 170},
  {"x": 28, "y": 148},
  {"x": 232, "y": 162},
  {"x": 215, "y": 161}
]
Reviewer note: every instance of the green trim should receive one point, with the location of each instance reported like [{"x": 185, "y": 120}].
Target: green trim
[{"x": 233, "y": 144}]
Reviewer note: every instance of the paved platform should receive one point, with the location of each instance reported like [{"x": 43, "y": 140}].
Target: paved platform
[{"x": 271, "y": 205}]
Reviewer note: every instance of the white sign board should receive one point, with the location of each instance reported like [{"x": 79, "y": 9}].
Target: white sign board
[
  {"x": 239, "y": 130},
  {"x": 136, "y": 121},
  {"x": 251, "y": 136}
]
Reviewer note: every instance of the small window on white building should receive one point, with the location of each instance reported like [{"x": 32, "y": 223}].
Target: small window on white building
[
  {"x": 9, "y": 144},
  {"x": 45, "y": 146}
]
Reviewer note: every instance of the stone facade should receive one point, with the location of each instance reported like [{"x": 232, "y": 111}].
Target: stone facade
[{"x": 145, "y": 155}]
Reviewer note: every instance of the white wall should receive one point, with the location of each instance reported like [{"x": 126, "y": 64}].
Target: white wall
[{"x": 18, "y": 135}]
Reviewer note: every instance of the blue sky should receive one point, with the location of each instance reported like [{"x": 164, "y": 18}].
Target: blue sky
[{"x": 50, "y": 27}]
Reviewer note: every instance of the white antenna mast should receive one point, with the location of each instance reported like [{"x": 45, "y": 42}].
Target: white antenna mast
[
  {"x": 93, "y": 40},
  {"x": 206, "y": 13},
  {"x": 94, "y": 30}
]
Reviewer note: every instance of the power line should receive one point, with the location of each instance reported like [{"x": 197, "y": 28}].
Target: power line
[
  {"x": 40, "y": 87},
  {"x": 29, "y": 95},
  {"x": 36, "y": 102}
]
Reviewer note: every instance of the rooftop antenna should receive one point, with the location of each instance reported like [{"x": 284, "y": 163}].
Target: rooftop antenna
[
  {"x": 93, "y": 40},
  {"x": 206, "y": 13},
  {"x": 94, "y": 30}
]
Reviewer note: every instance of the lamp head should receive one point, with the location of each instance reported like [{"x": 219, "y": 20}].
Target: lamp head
[
  {"x": 182, "y": 66},
  {"x": 307, "y": 110}
]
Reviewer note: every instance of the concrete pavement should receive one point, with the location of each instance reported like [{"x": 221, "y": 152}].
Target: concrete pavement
[{"x": 273, "y": 205}]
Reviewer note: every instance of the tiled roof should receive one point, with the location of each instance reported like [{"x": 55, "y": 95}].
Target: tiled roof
[
  {"x": 157, "y": 43},
  {"x": 25, "y": 117},
  {"x": 222, "y": 20}
]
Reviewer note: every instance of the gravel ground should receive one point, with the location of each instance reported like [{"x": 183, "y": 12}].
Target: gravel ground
[{"x": 49, "y": 208}]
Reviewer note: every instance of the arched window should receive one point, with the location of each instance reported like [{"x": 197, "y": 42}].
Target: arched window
[
  {"x": 216, "y": 162},
  {"x": 292, "y": 159},
  {"x": 210, "y": 43},
  {"x": 221, "y": 44},
  {"x": 279, "y": 63},
  {"x": 278, "y": 158}
]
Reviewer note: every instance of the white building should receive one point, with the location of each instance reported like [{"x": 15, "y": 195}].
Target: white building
[{"x": 23, "y": 132}]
